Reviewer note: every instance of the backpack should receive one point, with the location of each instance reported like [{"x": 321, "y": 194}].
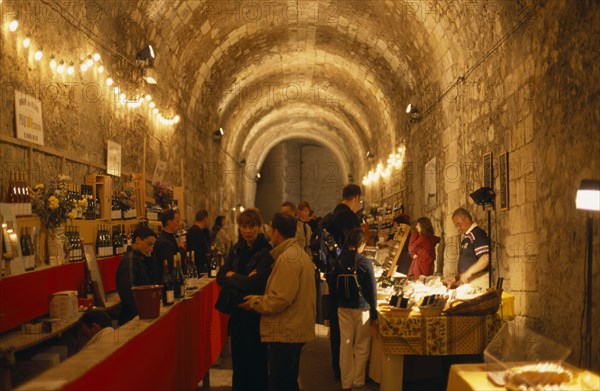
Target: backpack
[
  {"x": 347, "y": 286},
  {"x": 323, "y": 247}
]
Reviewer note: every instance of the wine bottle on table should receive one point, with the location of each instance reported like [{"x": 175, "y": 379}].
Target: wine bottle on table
[
  {"x": 168, "y": 294},
  {"x": 214, "y": 266}
]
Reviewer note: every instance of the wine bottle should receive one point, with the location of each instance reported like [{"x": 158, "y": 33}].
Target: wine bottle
[
  {"x": 214, "y": 266},
  {"x": 168, "y": 294},
  {"x": 99, "y": 244}
]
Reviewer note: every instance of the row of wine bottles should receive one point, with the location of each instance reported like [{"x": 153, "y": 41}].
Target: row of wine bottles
[
  {"x": 184, "y": 276},
  {"x": 18, "y": 194},
  {"x": 109, "y": 243}
]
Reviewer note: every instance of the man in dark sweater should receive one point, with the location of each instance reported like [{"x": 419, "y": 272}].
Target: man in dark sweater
[
  {"x": 198, "y": 240},
  {"x": 166, "y": 244},
  {"x": 340, "y": 224},
  {"x": 135, "y": 269}
]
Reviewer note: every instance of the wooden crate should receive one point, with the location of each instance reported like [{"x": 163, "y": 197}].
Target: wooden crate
[
  {"x": 102, "y": 190},
  {"x": 139, "y": 184}
]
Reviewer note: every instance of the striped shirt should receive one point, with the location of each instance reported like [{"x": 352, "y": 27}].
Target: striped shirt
[{"x": 474, "y": 244}]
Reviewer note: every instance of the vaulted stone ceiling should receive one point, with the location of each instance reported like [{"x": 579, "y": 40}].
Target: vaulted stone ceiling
[{"x": 339, "y": 72}]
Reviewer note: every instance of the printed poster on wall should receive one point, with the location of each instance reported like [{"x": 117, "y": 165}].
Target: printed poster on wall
[
  {"x": 113, "y": 158},
  {"x": 28, "y": 118},
  {"x": 159, "y": 171},
  {"x": 430, "y": 184}
]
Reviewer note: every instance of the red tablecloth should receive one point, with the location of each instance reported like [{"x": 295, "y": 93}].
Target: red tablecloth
[{"x": 174, "y": 353}]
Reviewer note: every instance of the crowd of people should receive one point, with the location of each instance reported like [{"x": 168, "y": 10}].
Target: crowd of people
[{"x": 275, "y": 291}]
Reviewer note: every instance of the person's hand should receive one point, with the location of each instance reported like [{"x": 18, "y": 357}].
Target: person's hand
[
  {"x": 247, "y": 303},
  {"x": 450, "y": 280},
  {"x": 229, "y": 274},
  {"x": 326, "y": 323},
  {"x": 465, "y": 277}
]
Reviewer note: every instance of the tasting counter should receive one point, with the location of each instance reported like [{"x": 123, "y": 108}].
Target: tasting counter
[
  {"x": 397, "y": 336},
  {"x": 172, "y": 352}
]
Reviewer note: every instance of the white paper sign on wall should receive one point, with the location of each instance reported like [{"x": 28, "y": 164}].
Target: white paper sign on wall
[
  {"x": 113, "y": 158},
  {"x": 159, "y": 171},
  {"x": 28, "y": 118}
]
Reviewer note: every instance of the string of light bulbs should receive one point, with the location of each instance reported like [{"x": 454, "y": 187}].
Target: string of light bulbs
[
  {"x": 62, "y": 67},
  {"x": 395, "y": 162}
]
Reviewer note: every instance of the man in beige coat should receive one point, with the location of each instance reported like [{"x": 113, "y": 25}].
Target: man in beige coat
[{"x": 288, "y": 305}]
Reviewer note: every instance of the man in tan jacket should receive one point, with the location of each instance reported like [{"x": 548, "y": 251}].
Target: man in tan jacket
[{"x": 288, "y": 305}]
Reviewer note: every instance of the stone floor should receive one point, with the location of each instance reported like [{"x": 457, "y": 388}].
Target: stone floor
[{"x": 315, "y": 368}]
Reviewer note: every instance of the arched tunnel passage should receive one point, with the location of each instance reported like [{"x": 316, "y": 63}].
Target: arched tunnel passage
[{"x": 299, "y": 170}]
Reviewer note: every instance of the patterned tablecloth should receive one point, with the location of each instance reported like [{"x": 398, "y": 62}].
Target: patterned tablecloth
[{"x": 442, "y": 335}]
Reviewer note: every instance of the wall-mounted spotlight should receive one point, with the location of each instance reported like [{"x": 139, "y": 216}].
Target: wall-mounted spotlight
[
  {"x": 413, "y": 111},
  {"x": 217, "y": 135},
  {"x": 146, "y": 56},
  {"x": 370, "y": 155}
]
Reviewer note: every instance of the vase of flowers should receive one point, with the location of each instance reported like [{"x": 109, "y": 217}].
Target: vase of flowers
[
  {"x": 54, "y": 206},
  {"x": 126, "y": 200},
  {"x": 163, "y": 194}
]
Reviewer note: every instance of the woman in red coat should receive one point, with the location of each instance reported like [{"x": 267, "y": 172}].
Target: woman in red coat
[{"x": 422, "y": 249}]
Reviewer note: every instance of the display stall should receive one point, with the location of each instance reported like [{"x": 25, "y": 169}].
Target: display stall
[{"x": 174, "y": 351}]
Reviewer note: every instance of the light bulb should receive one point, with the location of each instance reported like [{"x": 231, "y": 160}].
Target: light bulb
[
  {"x": 70, "y": 69},
  {"x": 148, "y": 97},
  {"x": 83, "y": 67},
  {"x": 14, "y": 24},
  {"x": 89, "y": 62},
  {"x": 109, "y": 81},
  {"x": 122, "y": 97},
  {"x": 176, "y": 119},
  {"x": 117, "y": 90},
  {"x": 61, "y": 67},
  {"x": 100, "y": 69},
  {"x": 96, "y": 57},
  {"x": 38, "y": 55},
  {"x": 155, "y": 110},
  {"x": 52, "y": 62},
  {"x": 26, "y": 42},
  {"x": 152, "y": 105}
]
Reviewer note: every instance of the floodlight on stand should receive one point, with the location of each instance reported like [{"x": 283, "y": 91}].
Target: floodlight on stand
[
  {"x": 149, "y": 75},
  {"x": 588, "y": 195},
  {"x": 588, "y": 198},
  {"x": 483, "y": 196}
]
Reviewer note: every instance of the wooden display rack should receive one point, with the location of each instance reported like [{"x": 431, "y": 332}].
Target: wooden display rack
[{"x": 102, "y": 190}]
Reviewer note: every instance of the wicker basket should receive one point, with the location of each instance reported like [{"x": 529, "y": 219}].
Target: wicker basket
[
  {"x": 486, "y": 304},
  {"x": 431, "y": 311},
  {"x": 399, "y": 312}
]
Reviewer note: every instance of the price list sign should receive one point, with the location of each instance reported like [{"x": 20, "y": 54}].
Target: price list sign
[{"x": 28, "y": 118}]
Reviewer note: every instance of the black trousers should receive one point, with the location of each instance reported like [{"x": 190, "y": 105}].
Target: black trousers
[
  {"x": 284, "y": 366},
  {"x": 248, "y": 354}
]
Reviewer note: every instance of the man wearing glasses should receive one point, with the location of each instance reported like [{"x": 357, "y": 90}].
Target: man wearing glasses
[{"x": 135, "y": 269}]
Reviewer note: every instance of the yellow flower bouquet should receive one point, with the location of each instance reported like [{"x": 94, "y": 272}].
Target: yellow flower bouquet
[{"x": 52, "y": 204}]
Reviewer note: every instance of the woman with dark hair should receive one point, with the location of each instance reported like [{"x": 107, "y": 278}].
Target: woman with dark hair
[
  {"x": 354, "y": 313},
  {"x": 245, "y": 272},
  {"x": 219, "y": 236},
  {"x": 422, "y": 249}
]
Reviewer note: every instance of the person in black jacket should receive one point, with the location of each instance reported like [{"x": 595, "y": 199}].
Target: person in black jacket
[
  {"x": 198, "y": 240},
  {"x": 166, "y": 245},
  {"x": 354, "y": 312},
  {"x": 343, "y": 220},
  {"x": 245, "y": 272},
  {"x": 135, "y": 269}
]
